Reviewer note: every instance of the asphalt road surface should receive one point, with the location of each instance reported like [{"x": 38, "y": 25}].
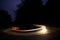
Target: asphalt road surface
[{"x": 54, "y": 34}]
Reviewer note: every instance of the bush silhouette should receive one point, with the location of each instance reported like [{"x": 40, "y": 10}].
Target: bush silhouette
[
  {"x": 29, "y": 12},
  {"x": 4, "y": 19}
]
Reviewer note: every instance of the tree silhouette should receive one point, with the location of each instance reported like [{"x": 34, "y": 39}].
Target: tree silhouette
[
  {"x": 53, "y": 13},
  {"x": 4, "y": 19},
  {"x": 46, "y": 14},
  {"x": 29, "y": 12}
]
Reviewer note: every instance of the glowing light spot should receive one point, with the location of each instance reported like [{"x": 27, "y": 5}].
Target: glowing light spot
[
  {"x": 15, "y": 28},
  {"x": 44, "y": 30}
]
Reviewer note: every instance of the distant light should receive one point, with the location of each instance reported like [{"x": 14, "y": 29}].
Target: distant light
[
  {"x": 41, "y": 31},
  {"x": 44, "y": 30},
  {"x": 15, "y": 28}
]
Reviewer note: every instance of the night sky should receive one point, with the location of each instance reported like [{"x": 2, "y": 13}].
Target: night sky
[{"x": 11, "y": 6}]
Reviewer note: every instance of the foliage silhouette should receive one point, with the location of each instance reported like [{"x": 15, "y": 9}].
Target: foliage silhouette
[
  {"x": 29, "y": 12},
  {"x": 5, "y": 19}
]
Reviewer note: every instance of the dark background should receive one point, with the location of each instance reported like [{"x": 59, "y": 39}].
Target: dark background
[
  {"x": 8, "y": 7},
  {"x": 11, "y": 6},
  {"x": 51, "y": 17}
]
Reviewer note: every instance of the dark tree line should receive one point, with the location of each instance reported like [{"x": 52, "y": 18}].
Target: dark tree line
[
  {"x": 5, "y": 19},
  {"x": 33, "y": 12},
  {"x": 53, "y": 16},
  {"x": 30, "y": 12}
]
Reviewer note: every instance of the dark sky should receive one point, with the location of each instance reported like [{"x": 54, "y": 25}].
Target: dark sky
[{"x": 11, "y": 5}]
